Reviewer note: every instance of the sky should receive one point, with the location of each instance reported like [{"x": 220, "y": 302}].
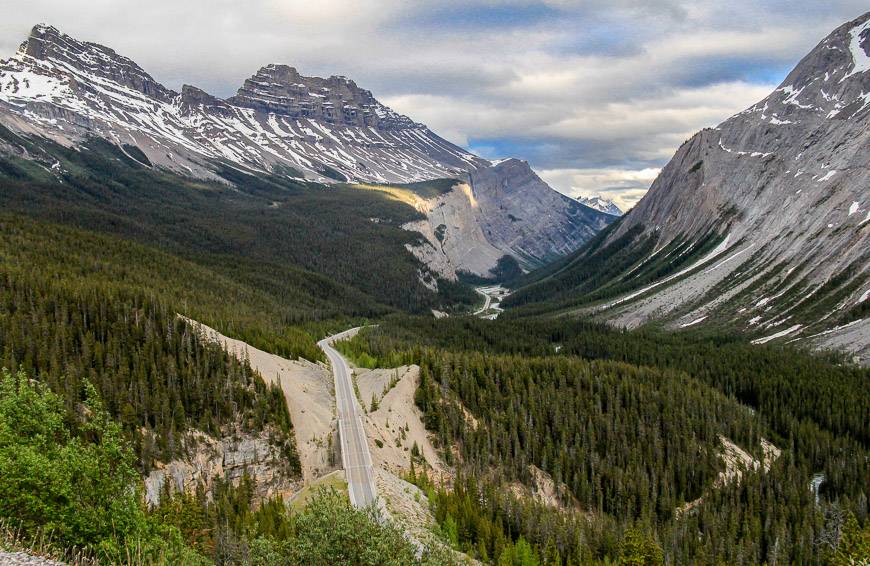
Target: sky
[{"x": 596, "y": 95}]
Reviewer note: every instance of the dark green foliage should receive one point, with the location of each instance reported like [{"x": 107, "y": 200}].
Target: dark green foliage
[
  {"x": 598, "y": 271},
  {"x": 241, "y": 310},
  {"x": 854, "y": 543},
  {"x": 629, "y": 441},
  {"x": 53, "y": 479},
  {"x": 327, "y": 531},
  {"x": 507, "y": 270},
  {"x": 221, "y": 526},
  {"x": 332, "y": 173},
  {"x": 136, "y": 154},
  {"x": 75, "y": 484},
  {"x": 492, "y": 524},
  {"x": 440, "y": 231},
  {"x": 71, "y": 478},
  {"x": 293, "y": 240}
]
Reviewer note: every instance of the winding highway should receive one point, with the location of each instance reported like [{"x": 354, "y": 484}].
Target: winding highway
[{"x": 355, "y": 456}]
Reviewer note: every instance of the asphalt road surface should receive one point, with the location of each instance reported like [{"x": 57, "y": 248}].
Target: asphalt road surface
[{"x": 355, "y": 456}]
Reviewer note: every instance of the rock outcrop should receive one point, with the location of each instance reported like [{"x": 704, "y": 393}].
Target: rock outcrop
[
  {"x": 229, "y": 458},
  {"x": 504, "y": 209},
  {"x": 280, "y": 89}
]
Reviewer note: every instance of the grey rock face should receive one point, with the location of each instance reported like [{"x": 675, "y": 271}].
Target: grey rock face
[
  {"x": 543, "y": 223},
  {"x": 787, "y": 183},
  {"x": 336, "y": 100},
  {"x": 502, "y": 209},
  {"x": 229, "y": 458},
  {"x": 325, "y": 129},
  {"x": 47, "y": 43}
]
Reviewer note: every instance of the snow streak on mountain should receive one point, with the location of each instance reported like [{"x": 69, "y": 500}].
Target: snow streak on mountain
[{"x": 279, "y": 121}]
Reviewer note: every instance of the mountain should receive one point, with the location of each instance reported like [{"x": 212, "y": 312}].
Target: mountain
[
  {"x": 761, "y": 223},
  {"x": 492, "y": 213},
  {"x": 601, "y": 204},
  {"x": 279, "y": 123},
  {"x": 321, "y": 129}
]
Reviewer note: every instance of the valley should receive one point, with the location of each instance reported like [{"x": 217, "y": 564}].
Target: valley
[{"x": 291, "y": 325}]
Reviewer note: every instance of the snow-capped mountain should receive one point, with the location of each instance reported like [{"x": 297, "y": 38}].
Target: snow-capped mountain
[
  {"x": 66, "y": 90},
  {"x": 761, "y": 223},
  {"x": 278, "y": 123},
  {"x": 601, "y": 204}
]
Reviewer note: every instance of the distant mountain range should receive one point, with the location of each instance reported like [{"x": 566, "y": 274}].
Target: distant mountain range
[
  {"x": 601, "y": 204},
  {"x": 281, "y": 123},
  {"x": 760, "y": 224}
]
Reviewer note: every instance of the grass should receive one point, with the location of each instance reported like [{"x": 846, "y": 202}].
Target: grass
[
  {"x": 333, "y": 480},
  {"x": 412, "y": 194},
  {"x": 399, "y": 194},
  {"x": 13, "y": 540}
]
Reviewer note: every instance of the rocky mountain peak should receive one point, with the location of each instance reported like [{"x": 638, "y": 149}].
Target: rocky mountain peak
[
  {"x": 47, "y": 44},
  {"x": 194, "y": 99},
  {"x": 281, "y": 89},
  {"x": 601, "y": 204},
  {"x": 830, "y": 82}
]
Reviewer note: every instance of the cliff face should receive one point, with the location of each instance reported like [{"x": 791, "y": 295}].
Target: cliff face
[
  {"x": 505, "y": 209},
  {"x": 336, "y": 100},
  {"x": 228, "y": 459},
  {"x": 279, "y": 122},
  {"x": 760, "y": 224}
]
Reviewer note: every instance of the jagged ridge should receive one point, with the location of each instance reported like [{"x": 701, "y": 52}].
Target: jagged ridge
[
  {"x": 279, "y": 123},
  {"x": 323, "y": 129}
]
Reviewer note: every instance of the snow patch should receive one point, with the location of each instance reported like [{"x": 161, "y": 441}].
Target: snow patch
[
  {"x": 860, "y": 59},
  {"x": 827, "y": 176},
  {"x": 780, "y": 334},
  {"x": 694, "y": 322}
]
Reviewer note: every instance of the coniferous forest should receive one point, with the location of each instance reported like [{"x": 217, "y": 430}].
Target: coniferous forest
[{"x": 631, "y": 424}]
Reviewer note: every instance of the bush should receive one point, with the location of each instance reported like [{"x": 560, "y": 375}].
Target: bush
[
  {"x": 330, "y": 531},
  {"x": 72, "y": 482}
]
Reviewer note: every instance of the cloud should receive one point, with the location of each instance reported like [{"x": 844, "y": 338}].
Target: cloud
[{"x": 597, "y": 90}]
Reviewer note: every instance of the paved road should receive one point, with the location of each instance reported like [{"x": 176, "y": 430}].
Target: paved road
[
  {"x": 485, "y": 304},
  {"x": 355, "y": 456},
  {"x": 493, "y": 296}
]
